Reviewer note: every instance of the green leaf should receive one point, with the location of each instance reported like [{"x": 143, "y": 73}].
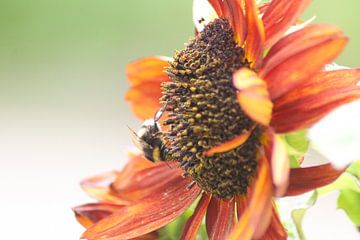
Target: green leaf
[
  {"x": 354, "y": 169},
  {"x": 345, "y": 181},
  {"x": 349, "y": 201},
  {"x": 297, "y": 145},
  {"x": 298, "y": 215}
]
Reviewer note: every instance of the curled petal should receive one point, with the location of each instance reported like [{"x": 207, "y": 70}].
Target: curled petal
[
  {"x": 279, "y": 16},
  {"x": 280, "y": 164},
  {"x": 255, "y": 38},
  {"x": 306, "y": 179},
  {"x": 153, "y": 212},
  {"x": 312, "y": 100},
  {"x": 194, "y": 222},
  {"x": 91, "y": 213},
  {"x": 231, "y": 144},
  {"x": 145, "y": 76},
  {"x": 135, "y": 164},
  {"x": 99, "y": 188},
  {"x": 299, "y": 56},
  {"x": 256, "y": 218},
  {"x": 220, "y": 218},
  {"x": 143, "y": 182},
  {"x": 253, "y": 96}
]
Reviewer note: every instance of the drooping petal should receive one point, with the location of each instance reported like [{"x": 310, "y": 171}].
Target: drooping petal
[
  {"x": 280, "y": 165},
  {"x": 99, "y": 188},
  {"x": 306, "y": 179},
  {"x": 220, "y": 218},
  {"x": 297, "y": 57},
  {"x": 194, "y": 222},
  {"x": 145, "y": 76},
  {"x": 231, "y": 144},
  {"x": 255, "y": 38},
  {"x": 203, "y": 14},
  {"x": 279, "y": 16},
  {"x": 143, "y": 182},
  {"x": 312, "y": 100},
  {"x": 255, "y": 220},
  {"x": 253, "y": 96},
  {"x": 153, "y": 212},
  {"x": 276, "y": 230},
  {"x": 89, "y": 214}
]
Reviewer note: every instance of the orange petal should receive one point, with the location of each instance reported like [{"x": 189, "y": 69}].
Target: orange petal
[
  {"x": 99, "y": 188},
  {"x": 305, "y": 54},
  {"x": 312, "y": 100},
  {"x": 279, "y": 16},
  {"x": 144, "y": 182},
  {"x": 231, "y": 144},
  {"x": 253, "y": 95},
  {"x": 149, "y": 69},
  {"x": 255, "y": 219},
  {"x": 306, "y": 179},
  {"x": 89, "y": 214},
  {"x": 276, "y": 230},
  {"x": 153, "y": 212},
  {"x": 220, "y": 218},
  {"x": 255, "y": 38},
  {"x": 145, "y": 76},
  {"x": 280, "y": 168},
  {"x": 194, "y": 222}
]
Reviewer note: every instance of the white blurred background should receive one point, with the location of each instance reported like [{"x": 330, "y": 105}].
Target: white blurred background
[{"x": 63, "y": 117}]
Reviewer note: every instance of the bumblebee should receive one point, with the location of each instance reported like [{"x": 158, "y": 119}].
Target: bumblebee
[{"x": 149, "y": 138}]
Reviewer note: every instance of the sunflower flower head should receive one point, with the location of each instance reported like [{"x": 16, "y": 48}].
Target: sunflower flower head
[
  {"x": 237, "y": 86},
  {"x": 204, "y": 112}
]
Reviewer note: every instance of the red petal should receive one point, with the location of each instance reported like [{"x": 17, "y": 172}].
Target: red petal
[
  {"x": 98, "y": 187},
  {"x": 256, "y": 218},
  {"x": 253, "y": 96},
  {"x": 277, "y": 153},
  {"x": 276, "y": 230},
  {"x": 233, "y": 11},
  {"x": 145, "y": 76},
  {"x": 220, "y": 218},
  {"x": 279, "y": 16},
  {"x": 299, "y": 56},
  {"x": 217, "y": 5},
  {"x": 143, "y": 182},
  {"x": 309, "y": 102},
  {"x": 153, "y": 212},
  {"x": 306, "y": 179},
  {"x": 255, "y": 35},
  {"x": 231, "y": 144},
  {"x": 89, "y": 214},
  {"x": 194, "y": 222}
]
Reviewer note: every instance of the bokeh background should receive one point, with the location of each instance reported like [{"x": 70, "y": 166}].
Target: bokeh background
[{"x": 62, "y": 113}]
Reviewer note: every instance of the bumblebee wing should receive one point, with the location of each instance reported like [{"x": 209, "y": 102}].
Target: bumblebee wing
[{"x": 140, "y": 144}]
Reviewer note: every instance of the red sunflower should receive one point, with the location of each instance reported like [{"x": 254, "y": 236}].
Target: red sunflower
[{"x": 237, "y": 85}]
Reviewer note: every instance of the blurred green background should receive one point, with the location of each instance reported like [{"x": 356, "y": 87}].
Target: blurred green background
[{"x": 62, "y": 84}]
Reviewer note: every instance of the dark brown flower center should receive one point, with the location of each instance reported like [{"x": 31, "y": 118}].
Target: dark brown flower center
[{"x": 203, "y": 112}]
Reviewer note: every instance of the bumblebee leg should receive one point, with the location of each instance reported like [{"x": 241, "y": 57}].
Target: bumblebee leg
[{"x": 159, "y": 113}]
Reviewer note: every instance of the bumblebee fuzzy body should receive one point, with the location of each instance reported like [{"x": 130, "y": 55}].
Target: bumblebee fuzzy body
[
  {"x": 151, "y": 143},
  {"x": 149, "y": 139}
]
